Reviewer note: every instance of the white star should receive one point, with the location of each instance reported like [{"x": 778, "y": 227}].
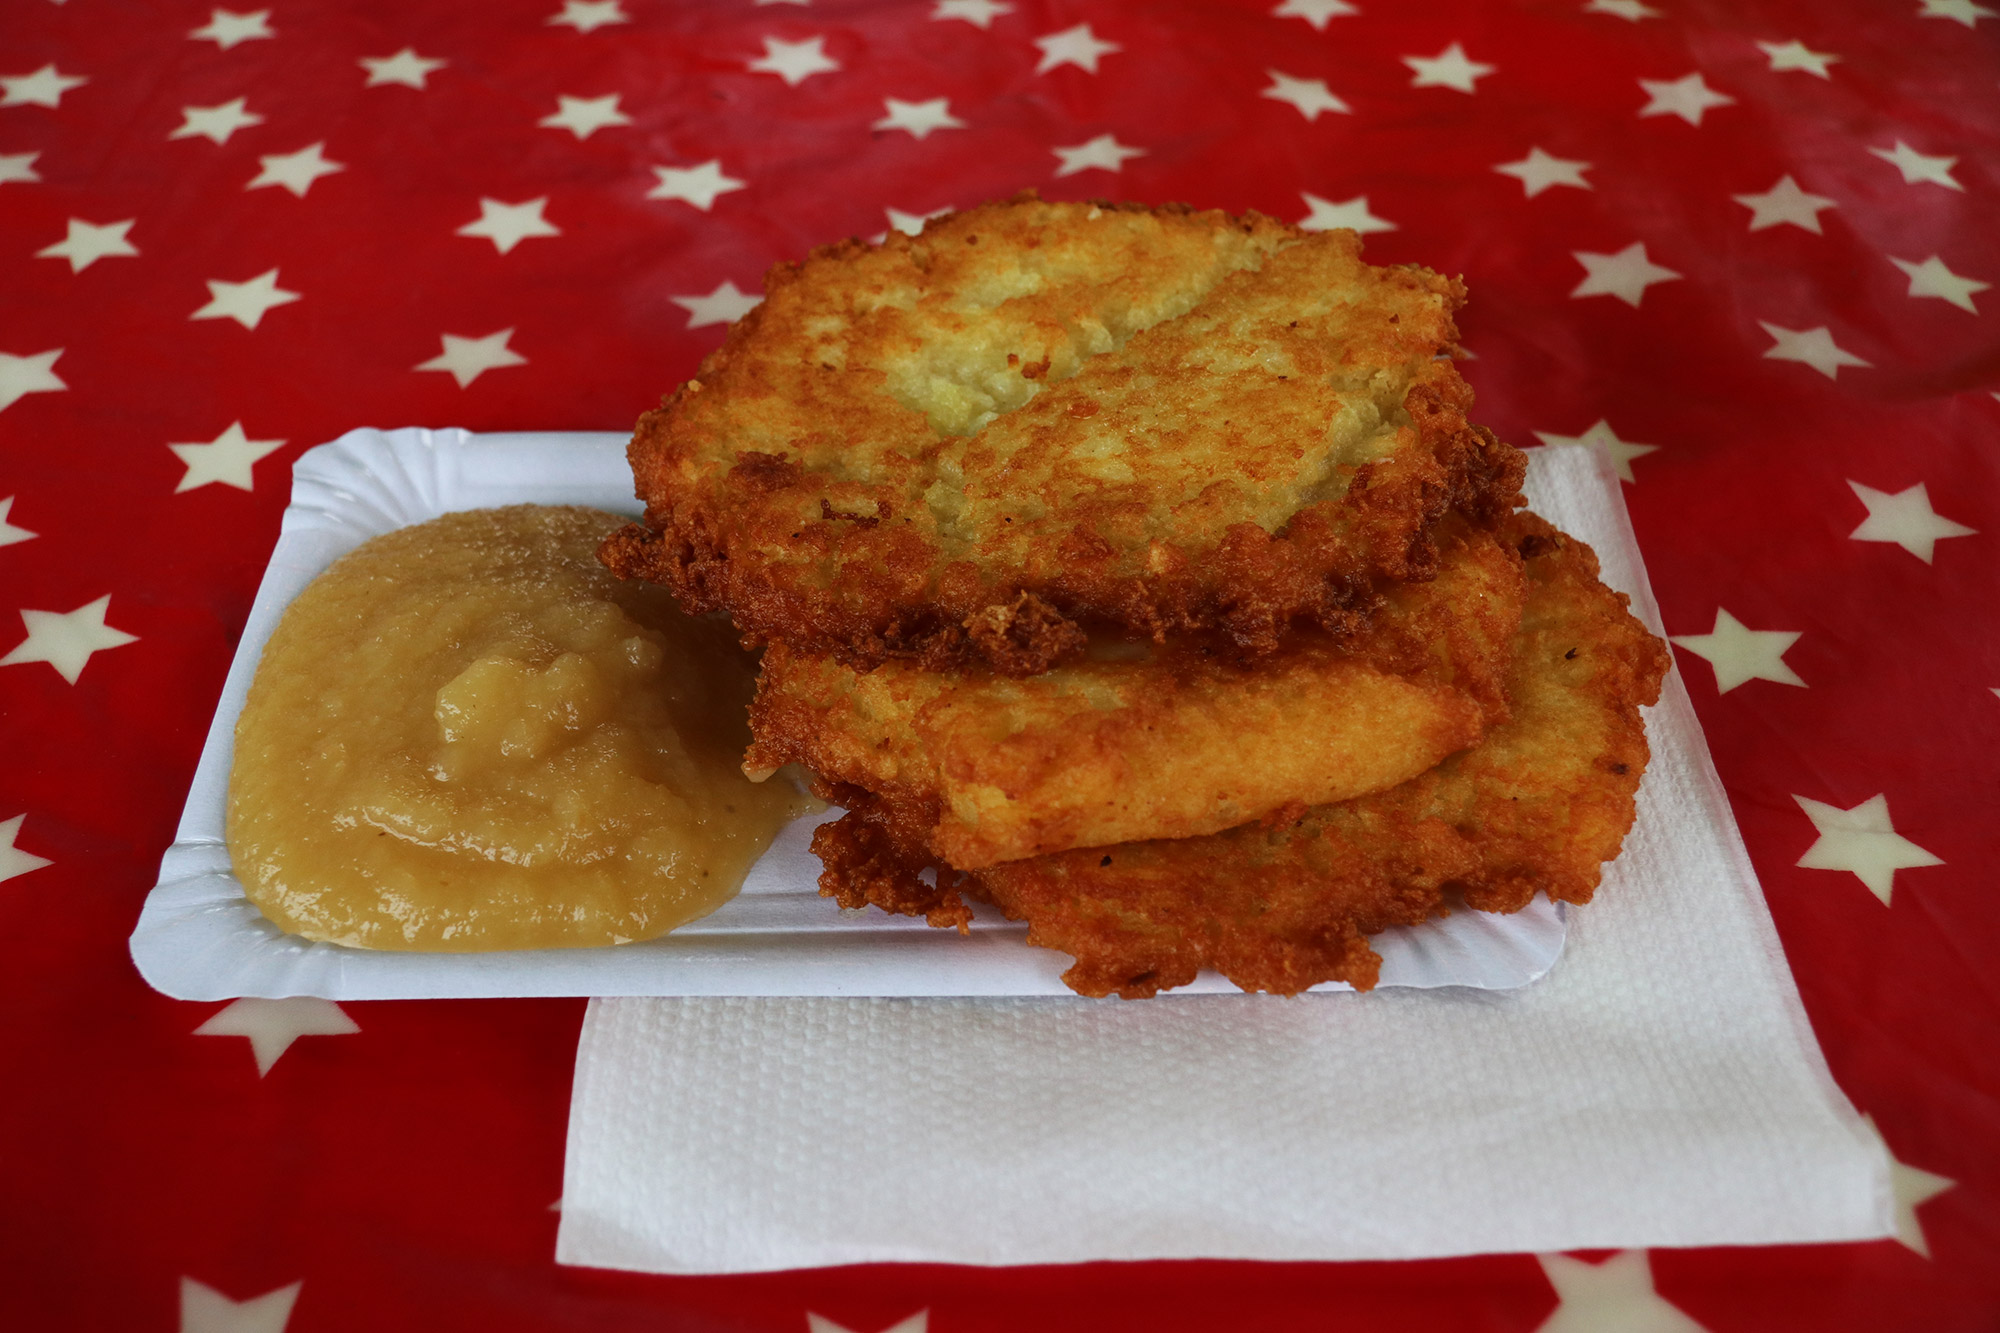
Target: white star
[
  {"x": 587, "y": 15},
  {"x": 469, "y": 358},
  {"x": 919, "y": 1322},
  {"x": 912, "y": 224},
  {"x": 1538, "y": 171},
  {"x": 1963, "y": 11},
  {"x": 1863, "y": 842},
  {"x": 1625, "y": 275},
  {"x": 1616, "y": 1294},
  {"x": 1687, "y": 98},
  {"x": 206, "y": 1310},
  {"x": 1104, "y": 153},
  {"x": 9, "y": 533},
  {"x": 1741, "y": 654},
  {"x": 273, "y": 1025},
  {"x": 1352, "y": 214},
  {"x": 244, "y": 302},
  {"x": 1077, "y": 46},
  {"x": 693, "y": 185},
  {"x": 918, "y": 118},
  {"x": 1905, "y": 518},
  {"x": 1601, "y": 436},
  {"x": 1624, "y": 9},
  {"x": 724, "y": 305},
  {"x": 507, "y": 225},
  {"x": 226, "y": 28},
  {"x": 1447, "y": 69},
  {"x": 1310, "y": 96},
  {"x": 1797, "y": 55},
  {"x": 1812, "y": 347},
  {"x": 228, "y": 459},
  {"x": 1932, "y": 278},
  {"x": 1918, "y": 168},
  {"x": 1784, "y": 203},
  {"x": 215, "y": 122},
  {"x": 1315, "y": 12},
  {"x": 1913, "y": 1187},
  {"x": 583, "y": 116},
  {"x": 18, "y": 167},
  {"x": 794, "y": 62},
  {"x": 20, "y": 375},
  {"x": 405, "y": 67},
  {"x": 88, "y": 243},
  {"x": 295, "y": 171},
  {"x": 45, "y": 87},
  {"x": 979, "y": 13},
  {"x": 66, "y": 639},
  {"x": 14, "y": 861}
]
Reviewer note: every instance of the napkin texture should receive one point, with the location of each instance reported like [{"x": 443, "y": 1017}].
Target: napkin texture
[{"x": 1660, "y": 1087}]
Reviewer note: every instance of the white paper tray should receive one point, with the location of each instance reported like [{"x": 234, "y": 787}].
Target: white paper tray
[{"x": 199, "y": 938}]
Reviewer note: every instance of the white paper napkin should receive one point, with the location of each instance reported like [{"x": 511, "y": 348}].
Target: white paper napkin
[{"x": 1660, "y": 1087}]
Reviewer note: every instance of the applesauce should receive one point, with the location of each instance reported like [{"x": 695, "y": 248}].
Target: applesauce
[{"x": 469, "y": 735}]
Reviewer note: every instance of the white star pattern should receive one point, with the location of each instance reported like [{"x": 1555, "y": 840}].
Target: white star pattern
[
  {"x": 1077, "y": 46},
  {"x": 9, "y": 533},
  {"x": 919, "y": 1322},
  {"x": 295, "y": 171},
  {"x": 1913, "y": 1187},
  {"x": 724, "y": 305},
  {"x": 1538, "y": 171},
  {"x": 87, "y": 243},
  {"x": 1784, "y": 203},
  {"x": 1353, "y": 214},
  {"x": 1449, "y": 68},
  {"x": 1740, "y": 654},
  {"x": 1616, "y": 1294},
  {"x": 794, "y": 62},
  {"x": 245, "y": 302},
  {"x": 1862, "y": 842},
  {"x": 227, "y": 459},
  {"x": 1310, "y": 96},
  {"x": 1906, "y": 519},
  {"x": 44, "y": 87},
  {"x": 18, "y": 167},
  {"x": 1601, "y": 436},
  {"x": 1959, "y": 11},
  {"x": 206, "y": 1310},
  {"x": 693, "y": 185},
  {"x": 66, "y": 639},
  {"x": 912, "y": 224},
  {"x": 1797, "y": 55},
  {"x": 1931, "y": 278},
  {"x": 1811, "y": 347},
  {"x": 1919, "y": 168},
  {"x": 273, "y": 1025},
  {"x": 1631, "y": 10},
  {"x": 979, "y": 13},
  {"x": 1104, "y": 153},
  {"x": 14, "y": 861},
  {"x": 918, "y": 118},
  {"x": 1689, "y": 98},
  {"x": 507, "y": 225},
  {"x": 216, "y": 123},
  {"x": 589, "y": 15},
  {"x": 1625, "y": 275},
  {"x": 22, "y": 375},
  {"x": 469, "y": 358},
  {"x": 226, "y": 28},
  {"x": 584, "y": 116},
  {"x": 406, "y": 67},
  {"x": 1315, "y": 12}
]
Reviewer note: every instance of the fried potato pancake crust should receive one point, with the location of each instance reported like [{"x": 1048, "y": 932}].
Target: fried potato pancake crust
[
  {"x": 1536, "y": 807},
  {"x": 1166, "y": 742},
  {"x": 955, "y": 448}
]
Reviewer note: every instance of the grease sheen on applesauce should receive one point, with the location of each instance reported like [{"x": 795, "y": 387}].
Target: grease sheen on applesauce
[{"x": 468, "y": 735}]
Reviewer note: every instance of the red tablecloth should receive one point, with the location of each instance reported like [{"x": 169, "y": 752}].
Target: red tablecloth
[{"x": 1750, "y": 248}]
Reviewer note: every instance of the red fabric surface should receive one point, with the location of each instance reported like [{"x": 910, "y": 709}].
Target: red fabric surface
[{"x": 403, "y": 1174}]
